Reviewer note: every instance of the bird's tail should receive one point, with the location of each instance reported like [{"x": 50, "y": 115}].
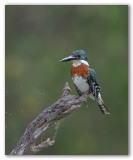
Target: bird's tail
[
  {"x": 103, "y": 108},
  {"x": 101, "y": 105}
]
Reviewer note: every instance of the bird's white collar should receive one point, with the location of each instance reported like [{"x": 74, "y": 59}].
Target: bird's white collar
[{"x": 79, "y": 62}]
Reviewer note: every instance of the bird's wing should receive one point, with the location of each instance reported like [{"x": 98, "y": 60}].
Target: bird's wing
[
  {"x": 95, "y": 89},
  {"x": 93, "y": 83}
]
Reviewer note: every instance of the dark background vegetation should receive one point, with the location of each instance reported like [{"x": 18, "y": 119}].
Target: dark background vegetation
[{"x": 37, "y": 37}]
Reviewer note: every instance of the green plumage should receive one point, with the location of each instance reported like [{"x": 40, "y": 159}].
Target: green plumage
[{"x": 93, "y": 76}]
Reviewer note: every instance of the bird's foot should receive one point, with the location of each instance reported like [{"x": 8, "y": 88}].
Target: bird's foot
[{"x": 85, "y": 102}]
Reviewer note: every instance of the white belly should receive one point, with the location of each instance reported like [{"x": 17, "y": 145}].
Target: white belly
[{"x": 82, "y": 84}]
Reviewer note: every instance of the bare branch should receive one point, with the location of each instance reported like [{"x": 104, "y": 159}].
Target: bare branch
[
  {"x": 60, "y": 109},
  {"x": 45, "y": 144}
]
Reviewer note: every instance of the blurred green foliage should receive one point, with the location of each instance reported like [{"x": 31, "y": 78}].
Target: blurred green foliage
[{"x": 37, "y": 37}]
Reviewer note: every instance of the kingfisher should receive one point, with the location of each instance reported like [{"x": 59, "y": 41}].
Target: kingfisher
[{"x": 85, "y": 79}]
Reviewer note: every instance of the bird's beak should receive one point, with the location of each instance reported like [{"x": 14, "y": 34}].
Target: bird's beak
[{"x": 70, "y": 58}]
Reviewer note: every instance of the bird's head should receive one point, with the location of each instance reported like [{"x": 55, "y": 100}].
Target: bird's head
[{"x": 76, "y": 55}]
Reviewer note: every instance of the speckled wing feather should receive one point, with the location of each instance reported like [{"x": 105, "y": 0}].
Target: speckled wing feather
[
  {"x": 95, "y": 89},
  {"x": 93, "y": 83}
]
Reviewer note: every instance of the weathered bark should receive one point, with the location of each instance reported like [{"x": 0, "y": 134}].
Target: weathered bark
[{"x": 62, "y": 108}]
